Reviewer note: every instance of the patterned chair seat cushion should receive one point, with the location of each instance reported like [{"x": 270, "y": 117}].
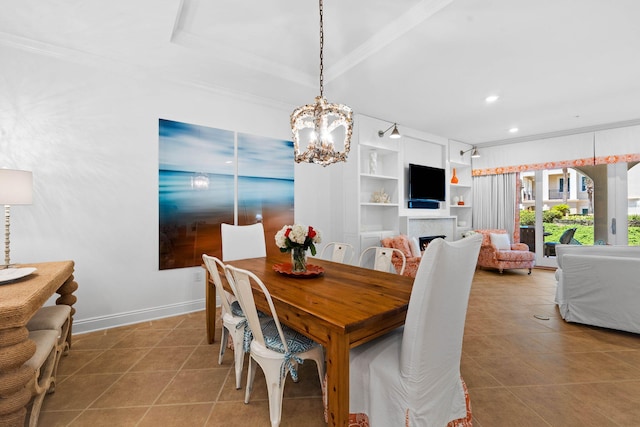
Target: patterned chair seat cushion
[
  {"x": 236, "y": 310},
  {"x": 248, "y": 336},
  {"x": 515, "y": 256},
  {"x": 296, "y": 342}
]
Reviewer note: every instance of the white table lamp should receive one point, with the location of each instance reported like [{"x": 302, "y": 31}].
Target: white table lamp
[{"x": 16, "y": 188}]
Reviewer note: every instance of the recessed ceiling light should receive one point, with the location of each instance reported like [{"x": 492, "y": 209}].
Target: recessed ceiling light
[
  {"x": 514, "y": 130},
  {"x": 491, "y": 98}
]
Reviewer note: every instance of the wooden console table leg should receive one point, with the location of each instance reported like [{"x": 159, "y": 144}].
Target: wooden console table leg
[
  {"x": 66, "y": 297},
  {"x": 15, "y": 349}
]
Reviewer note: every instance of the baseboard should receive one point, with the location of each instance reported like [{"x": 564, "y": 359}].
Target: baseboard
[{"x": 128, "y": 318}]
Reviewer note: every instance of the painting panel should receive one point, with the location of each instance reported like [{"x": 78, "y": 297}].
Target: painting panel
[
  {"x": 265, "y": 184},
  {"x": 196, "y": 191}
]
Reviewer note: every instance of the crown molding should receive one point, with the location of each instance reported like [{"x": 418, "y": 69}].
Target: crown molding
[
  {"x": 105, "y": 63},
  {"x": 555, "y": 134}
]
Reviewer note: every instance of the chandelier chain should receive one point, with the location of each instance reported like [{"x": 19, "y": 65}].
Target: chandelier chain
[{"x": 321, "y": 50}]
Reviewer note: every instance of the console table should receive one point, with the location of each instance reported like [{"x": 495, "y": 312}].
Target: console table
[{"x": 19, "y": 300}]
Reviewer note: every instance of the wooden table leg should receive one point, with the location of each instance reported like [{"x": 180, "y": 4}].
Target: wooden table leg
[
  {"x": 337, "y": 358},
  {"x": 15, "y": 349},
  {"x": 210, "y": 306},
  {"x": 66, "y": 297}
]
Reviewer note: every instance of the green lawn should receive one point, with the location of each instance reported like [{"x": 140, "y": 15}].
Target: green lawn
[{"x": 584, "y": 233}]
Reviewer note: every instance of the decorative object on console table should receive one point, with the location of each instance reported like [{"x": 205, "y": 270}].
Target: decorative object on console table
[
  {"x": 16, "y": 188},
  {"x": 454, "y": 178},
  {"x": 297, "y": 239}
]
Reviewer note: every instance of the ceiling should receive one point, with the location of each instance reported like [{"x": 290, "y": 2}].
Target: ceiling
[{"x": 559, "y": 66}]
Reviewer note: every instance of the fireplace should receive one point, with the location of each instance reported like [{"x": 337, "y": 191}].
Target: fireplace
[{"x": 425, "y": 240}]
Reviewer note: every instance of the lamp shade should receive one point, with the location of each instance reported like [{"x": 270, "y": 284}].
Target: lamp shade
[{"x": 16, "y": 187}]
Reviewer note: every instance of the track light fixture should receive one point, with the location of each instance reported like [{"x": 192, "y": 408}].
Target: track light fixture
[
  {"x": 394, "y": 133},
  {"x": 474, "y": 153}
]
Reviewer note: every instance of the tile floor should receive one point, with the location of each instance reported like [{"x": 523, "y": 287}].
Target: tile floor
[{"x": 521, "y": 371}]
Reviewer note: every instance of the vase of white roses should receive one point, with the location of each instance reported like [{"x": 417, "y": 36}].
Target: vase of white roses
[{"x": 297, "y": 239}]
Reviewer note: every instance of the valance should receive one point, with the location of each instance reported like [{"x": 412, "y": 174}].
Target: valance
[
  {"x": 604, "y": 160},
  {"x": 608, "y": 146}
]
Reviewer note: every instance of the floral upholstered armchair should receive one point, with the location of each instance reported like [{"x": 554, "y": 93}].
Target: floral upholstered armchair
[
  {"x": 410, "y": 249},
  {"x": 497, "y": 252}
]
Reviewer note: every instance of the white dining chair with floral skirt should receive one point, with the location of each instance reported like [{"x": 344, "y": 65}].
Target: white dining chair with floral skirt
[{"x": 411, "y": 376}]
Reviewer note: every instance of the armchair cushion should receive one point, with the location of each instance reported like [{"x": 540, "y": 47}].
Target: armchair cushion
[
  {"x": 402, "y": 242},
  {"x": 501, "y": 241},
  {"x": 519, "y": 247},
  {"x": 514, "y": 255}
]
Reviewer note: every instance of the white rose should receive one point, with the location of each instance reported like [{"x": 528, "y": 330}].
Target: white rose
[
  {"x": 298, "y": 234},
  {"x": 280, "y": 239}
]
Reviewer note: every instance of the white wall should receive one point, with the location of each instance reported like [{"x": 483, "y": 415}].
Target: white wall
[{"x": 90, "y": 136}]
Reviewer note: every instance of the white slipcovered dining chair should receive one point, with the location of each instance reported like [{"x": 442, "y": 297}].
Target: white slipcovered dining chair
[
  {"x": 382, "y": 259},
  {"x": 242, "y": 241},
  {"x": 340, "y": 252},
  {"x": 275, "y": 347},
  {"x": 411, "y": 376},
  {"x": 233, "y": 319}
]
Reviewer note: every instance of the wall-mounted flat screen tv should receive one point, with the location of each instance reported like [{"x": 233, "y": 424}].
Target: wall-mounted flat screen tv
[{"x": 426, "y": 183}]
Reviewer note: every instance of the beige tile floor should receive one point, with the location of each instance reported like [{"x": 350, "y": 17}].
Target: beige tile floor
[{"x": 521, "y": 371}]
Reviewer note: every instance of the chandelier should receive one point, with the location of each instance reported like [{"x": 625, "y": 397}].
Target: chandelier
[{"x": 317, "y": 124}]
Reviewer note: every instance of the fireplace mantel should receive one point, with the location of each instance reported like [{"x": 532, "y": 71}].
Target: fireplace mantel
[{"x": 418, "y": 226}]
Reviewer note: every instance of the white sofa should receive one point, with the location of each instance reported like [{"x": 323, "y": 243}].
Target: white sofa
[{"x": 599, "y": 285}]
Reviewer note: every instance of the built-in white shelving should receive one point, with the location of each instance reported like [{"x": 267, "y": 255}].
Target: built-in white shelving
[{"x": 460, "y": 196}]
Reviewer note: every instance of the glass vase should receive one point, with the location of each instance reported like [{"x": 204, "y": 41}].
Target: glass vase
[
  {"x": 298, "y": 260},
  {"x": 454, "y": 178}
]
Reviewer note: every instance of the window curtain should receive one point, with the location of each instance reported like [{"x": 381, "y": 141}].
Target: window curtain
[{"x": 495, "y": 202}]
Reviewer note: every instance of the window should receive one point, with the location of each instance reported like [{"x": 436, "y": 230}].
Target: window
[
  {"x": 583, "y": 183},
  {"x": 561, "y": 184}
]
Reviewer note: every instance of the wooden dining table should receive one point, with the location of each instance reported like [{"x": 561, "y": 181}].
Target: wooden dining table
[{"x": 342, "y": 308}]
